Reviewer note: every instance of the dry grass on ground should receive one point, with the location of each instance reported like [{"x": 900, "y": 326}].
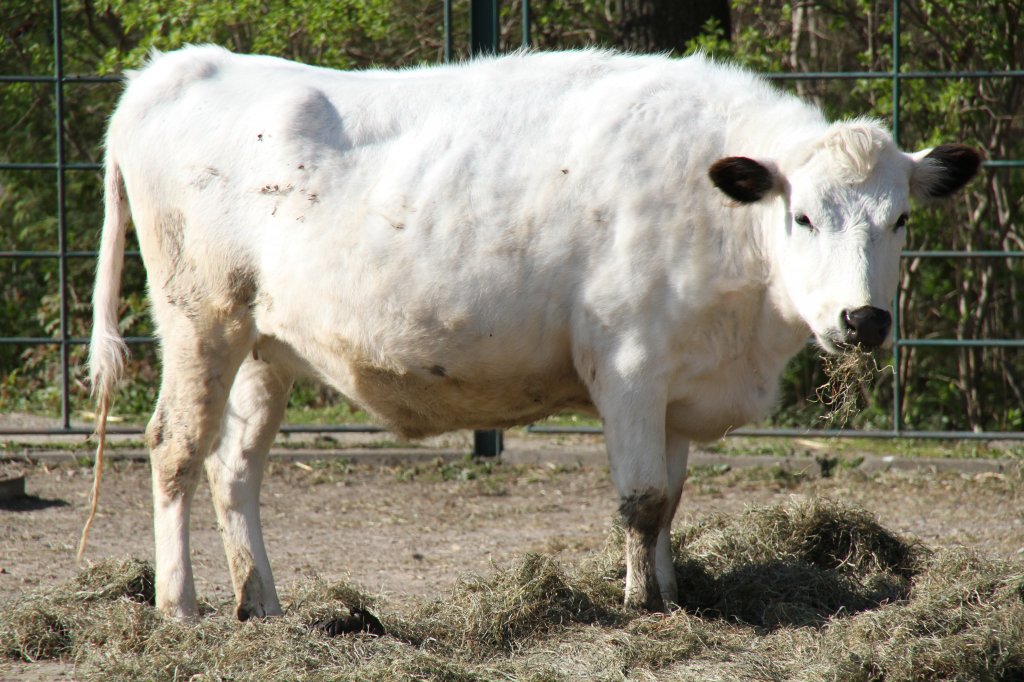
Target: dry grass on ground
[{"x": 805, "y": 590}]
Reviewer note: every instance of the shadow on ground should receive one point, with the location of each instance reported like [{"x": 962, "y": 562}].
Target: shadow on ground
[{"x": 30, "y": 503}]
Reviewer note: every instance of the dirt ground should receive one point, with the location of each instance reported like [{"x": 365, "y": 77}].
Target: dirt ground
[{"x": 407, "y": 531}]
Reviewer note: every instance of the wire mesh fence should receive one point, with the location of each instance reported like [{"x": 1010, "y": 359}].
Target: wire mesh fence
[{"x": 484, "y": 38}]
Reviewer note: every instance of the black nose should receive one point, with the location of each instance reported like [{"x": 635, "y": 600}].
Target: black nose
[{"x": 867, "y": 327}]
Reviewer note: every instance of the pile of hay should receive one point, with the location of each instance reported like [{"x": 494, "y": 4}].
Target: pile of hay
[
  {"x": 809, "y": 590},
  {"x": 792, "y": 566},
  {"x": 111, "y": 601}
]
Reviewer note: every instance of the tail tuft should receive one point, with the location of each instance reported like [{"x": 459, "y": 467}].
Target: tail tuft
[{"x": 108, "y": 354}]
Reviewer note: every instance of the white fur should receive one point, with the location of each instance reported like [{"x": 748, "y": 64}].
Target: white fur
[{"x": 477, "y": 245}]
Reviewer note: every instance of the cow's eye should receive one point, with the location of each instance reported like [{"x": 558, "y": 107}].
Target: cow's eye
[
  {"x": 802, "y": 220},
  {"x": 901, "y": 221}
]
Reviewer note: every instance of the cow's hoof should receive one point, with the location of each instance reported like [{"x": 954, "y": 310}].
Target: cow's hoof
[
  {"x": 653, "y": 603},
  {"x": 356, "y": 620},
  {"x": 248, "y": 611}
]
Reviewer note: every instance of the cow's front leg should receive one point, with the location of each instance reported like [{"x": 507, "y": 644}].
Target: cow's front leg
[
  {"x": 635, "y": 436},
  {"x": 235, "y": 470},
  {"x": 677, "y": 451},
  {"x": 641, "y": 510}
]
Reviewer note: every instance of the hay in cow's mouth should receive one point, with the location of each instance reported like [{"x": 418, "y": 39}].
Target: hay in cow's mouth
[{"x": 847, "y": 374}]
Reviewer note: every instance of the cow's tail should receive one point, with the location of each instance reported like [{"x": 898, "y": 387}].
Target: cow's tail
[{"x": 107, "y": 350}]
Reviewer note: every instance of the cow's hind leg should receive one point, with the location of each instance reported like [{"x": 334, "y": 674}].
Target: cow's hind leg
[
  {"x": 200, "y": 358},
  {"x": 235, "y": 469}
]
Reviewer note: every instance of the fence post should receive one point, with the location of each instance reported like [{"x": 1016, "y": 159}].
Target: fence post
[
  {"x": 483, "y": 40},
  {"x": 62, "y": 225},
  {"x": 447, "y": 31},
  {"x": 483, "y": 27},
  {"x": 897, "y": 389},
  {"x": 526, "y": 23}
]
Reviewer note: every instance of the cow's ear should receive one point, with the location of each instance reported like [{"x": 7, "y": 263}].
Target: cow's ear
[
  {"x": 941, "y": 171},
  {"x": 743, "y": 179}
]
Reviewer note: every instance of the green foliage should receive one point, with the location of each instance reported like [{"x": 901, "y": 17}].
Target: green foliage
[
  {"x": 943, "y": 388},
  {"x": 303, "y": 29},
  {"x": 311, "y": 403}
]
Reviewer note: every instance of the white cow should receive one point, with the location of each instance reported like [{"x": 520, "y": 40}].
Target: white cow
[{"x": 481, "y": 245}]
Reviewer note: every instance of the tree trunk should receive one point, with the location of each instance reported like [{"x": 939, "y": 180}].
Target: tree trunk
[{"x": 667, "y": 25}]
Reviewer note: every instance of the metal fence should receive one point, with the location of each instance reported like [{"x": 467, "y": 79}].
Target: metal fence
[{"x": 484, "y": 37}]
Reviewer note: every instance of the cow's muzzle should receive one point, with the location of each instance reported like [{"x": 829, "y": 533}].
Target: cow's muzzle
[{"x": 867, "y": 327}]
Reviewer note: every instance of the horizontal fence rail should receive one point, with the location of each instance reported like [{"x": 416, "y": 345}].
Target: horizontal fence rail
[
  {"x": 483, "y": 39},
  {"x": 804, "y": 433}
]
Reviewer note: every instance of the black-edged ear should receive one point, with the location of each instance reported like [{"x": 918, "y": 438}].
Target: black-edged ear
[
  {"x": 743, "y": 179},
  {"x": 943, "y": 170}
]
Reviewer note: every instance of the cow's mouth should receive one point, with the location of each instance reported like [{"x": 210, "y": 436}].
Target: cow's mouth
[{"x": 833, "y": 342}]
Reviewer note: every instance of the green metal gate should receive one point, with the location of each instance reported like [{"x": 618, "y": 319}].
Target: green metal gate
[{"x": 484, "y": 36}]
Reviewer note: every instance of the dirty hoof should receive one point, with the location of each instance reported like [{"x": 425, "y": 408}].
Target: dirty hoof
[
  {"x": 652, "y": 604},
  {"x": 356, "y": 620}
]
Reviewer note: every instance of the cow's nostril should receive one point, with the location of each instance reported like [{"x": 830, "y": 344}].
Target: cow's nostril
[{"x": 867, "y": 326}]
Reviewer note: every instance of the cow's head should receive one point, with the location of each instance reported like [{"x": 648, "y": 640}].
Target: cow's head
[{"x": 838, "y": 211}]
